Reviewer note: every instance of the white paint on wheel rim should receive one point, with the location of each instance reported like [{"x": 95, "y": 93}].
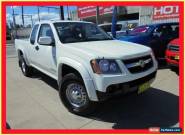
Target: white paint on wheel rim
[
  {"x": 76, "y": 95},
  {"x": 23, "y": 65}
]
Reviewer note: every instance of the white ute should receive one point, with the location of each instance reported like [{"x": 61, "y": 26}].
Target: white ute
[{"x": 87, "y": 63}]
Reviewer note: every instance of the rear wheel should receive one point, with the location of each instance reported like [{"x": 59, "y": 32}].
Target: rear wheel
[
  {"x": 26, "y": 70},
  {"x": 74, "y": 95}
]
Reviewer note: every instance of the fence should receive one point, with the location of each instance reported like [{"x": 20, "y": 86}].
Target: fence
[{"x": 22, "y": 19}]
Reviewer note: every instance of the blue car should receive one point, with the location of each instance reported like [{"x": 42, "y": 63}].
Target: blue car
[{"x": 155, "y": 36}]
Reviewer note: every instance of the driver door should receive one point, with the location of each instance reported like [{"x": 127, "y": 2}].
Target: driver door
[{"x": 46, "y": 53}]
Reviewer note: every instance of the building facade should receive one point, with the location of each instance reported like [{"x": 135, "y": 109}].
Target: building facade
[{"x": 142, "y": 14}]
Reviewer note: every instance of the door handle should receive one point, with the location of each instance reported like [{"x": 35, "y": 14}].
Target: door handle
[{"x": 37, "y": 48}]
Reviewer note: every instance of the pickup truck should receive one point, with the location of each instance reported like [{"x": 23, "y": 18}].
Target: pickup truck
[{"x": 87, "y": 63}]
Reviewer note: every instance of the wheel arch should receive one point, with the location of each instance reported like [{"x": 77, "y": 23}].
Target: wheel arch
[{"x": 72, "y": 66}]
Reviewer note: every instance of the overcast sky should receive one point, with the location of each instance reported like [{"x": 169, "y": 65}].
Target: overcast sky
[{"x": 45, "y": 14}]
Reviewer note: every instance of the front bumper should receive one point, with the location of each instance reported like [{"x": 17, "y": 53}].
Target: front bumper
[
  {"x": 170, "y": 58},
  {"x": 126, "y": 87},
  {"x": 102, "y": 82}
]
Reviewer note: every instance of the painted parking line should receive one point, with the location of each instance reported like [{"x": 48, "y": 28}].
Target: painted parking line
[{"x": 9, "y": 44}]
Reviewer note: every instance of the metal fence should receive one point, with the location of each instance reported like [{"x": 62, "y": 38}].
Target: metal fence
[{"x": 21, "y": 21}]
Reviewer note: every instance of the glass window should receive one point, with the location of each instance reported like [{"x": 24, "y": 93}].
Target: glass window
[
  {"x": 168, "y": 30},
  {"x": 139, "y": 30},
  {"x": 45, "y": 30},
  {"x": 107, "y": 28},
  {"x": 175, "y": 31},
  {"x": 33, "y": 34},
  {"x": 118, "y": 27},
  {"x": 70, "y": 32}
]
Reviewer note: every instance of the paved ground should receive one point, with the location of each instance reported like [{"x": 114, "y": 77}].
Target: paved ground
[{"x": 33, "y": 103}]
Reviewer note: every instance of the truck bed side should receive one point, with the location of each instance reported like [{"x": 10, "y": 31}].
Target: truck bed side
[{"x": 21, "y": 46}]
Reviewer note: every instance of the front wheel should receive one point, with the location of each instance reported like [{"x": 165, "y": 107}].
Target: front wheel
[{"x": 74, "y": 95}]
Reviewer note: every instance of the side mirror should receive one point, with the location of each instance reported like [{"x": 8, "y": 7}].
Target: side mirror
[
  {"x": 156, "y": 34},
  {"x": 46, "y": 41}
]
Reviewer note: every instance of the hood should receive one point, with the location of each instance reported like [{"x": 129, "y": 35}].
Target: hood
[
  {"x": 107, "y": 49},
  {"x": 175, "y": 42}
]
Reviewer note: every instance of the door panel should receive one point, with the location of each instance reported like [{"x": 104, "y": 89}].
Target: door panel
[
  {"x": 32, "y": 53},
  {"x": 46, "y": 54}
]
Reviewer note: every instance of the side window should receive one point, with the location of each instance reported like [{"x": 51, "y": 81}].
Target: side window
[
  {"x": 45, "y": 30},
  {"x": 33, "y": 34},
  {"x": 159, "y": 31},
  {"x": 175, "y": 31},
  {"x": 106, "y": 28},
  {"x": 118, "y": 27}
]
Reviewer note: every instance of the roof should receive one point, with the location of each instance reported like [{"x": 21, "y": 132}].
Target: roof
[
  {"x": 158, "y": 24},
  {"x": 175, "y": 41},
  {"x": 105, "y": 24},
  {"x": 57, "y": 21}
]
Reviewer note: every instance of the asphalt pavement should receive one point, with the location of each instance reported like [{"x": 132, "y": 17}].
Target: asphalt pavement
[{"x": 33, "y": 103}]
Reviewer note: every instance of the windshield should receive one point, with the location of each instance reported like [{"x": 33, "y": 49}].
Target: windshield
[
  {"x": 71, "y": 32},
  {"x": 139, "y": 30}
]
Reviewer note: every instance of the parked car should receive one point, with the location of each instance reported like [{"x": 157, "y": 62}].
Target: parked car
[
  {"x": 122, "y": 27},
  {"x": 172, "y": 53},
  {"x": 156, "y": 36},
  {"x": 87, "y": 63}
]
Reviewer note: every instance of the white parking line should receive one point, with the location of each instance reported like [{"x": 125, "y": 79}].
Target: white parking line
[{"x": 9, "y": 44}]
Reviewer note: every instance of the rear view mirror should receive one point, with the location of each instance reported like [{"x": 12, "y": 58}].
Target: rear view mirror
[
  {"x": 156, "y": 34},
  {"x": 45, "y": 40}
]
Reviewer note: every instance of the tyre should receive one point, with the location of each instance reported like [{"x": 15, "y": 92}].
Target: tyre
[
  {"x": 26, "y": 70},
  {"x": 74, "y": 96},
  {"x": 174, "y": 69}
]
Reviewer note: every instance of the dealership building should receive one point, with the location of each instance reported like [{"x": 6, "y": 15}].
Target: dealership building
[{"x": 140, "y": 14}]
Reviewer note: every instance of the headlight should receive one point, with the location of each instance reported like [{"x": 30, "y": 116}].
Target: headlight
[{"x": 105, "y": 66}]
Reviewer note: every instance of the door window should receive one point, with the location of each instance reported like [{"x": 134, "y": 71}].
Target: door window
[
  {"x": 45, "y": 30},
  {"x": 168, "y": 31},
  {"x": 33, "y": 34}
]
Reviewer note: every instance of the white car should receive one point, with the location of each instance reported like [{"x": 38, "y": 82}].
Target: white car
[
  {"x": 88, "y": 64},
  {"x": 122, "y": 27}
]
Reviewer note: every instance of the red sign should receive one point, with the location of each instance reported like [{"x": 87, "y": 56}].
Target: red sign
[
  {"x": 165, "y": 12},
  {"x": 88, "y": 11}
]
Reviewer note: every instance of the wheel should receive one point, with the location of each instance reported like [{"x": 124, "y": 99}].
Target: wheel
[
  {"x": 174, "y": 69},
  {"x": 74, "y": 96},
  {"x": 26, "y": 70}
]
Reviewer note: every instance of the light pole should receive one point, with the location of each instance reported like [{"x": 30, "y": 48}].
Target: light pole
[
  {"x": 38, "y": 12},
  {"x": 22, "y": 9},
  {"x": 14, "y": 22},
  {"x": 61, "y": 13},
  {"x": 97, "y": 15}
]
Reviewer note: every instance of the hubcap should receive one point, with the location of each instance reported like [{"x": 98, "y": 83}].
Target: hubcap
[
  {"x": 76, "y": 95},
  {"x": 23, "y": 67}
]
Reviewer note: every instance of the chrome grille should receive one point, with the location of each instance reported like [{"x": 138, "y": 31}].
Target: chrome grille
[
  {"x": 139, "y": 64},
  {"x": 174, "y": 48}
]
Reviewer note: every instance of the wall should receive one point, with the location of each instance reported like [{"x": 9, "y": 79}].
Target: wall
[{"x": 146, "y": 16}]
